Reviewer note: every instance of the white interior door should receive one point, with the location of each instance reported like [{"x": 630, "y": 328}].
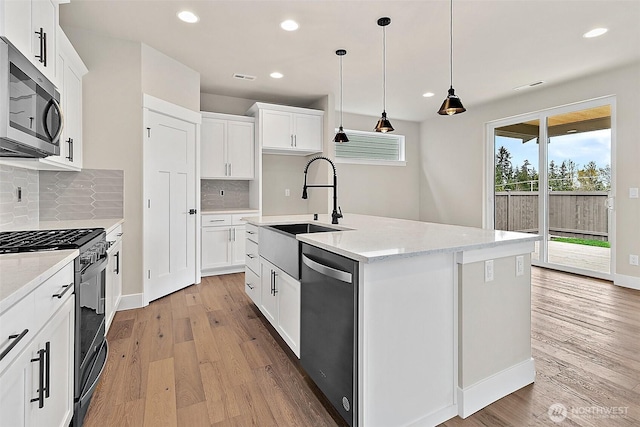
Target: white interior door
[{"x": 170, "y": 190}]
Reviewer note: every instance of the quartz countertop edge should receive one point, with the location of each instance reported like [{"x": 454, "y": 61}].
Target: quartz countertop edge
[
  {"x": 229, "y": 211},
  {"x": 23, "y": 272},
  {"x": 370, "y": 239}
]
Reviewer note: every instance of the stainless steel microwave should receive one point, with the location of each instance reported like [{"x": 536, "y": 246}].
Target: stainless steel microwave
[{"x": 31, "y": 120}]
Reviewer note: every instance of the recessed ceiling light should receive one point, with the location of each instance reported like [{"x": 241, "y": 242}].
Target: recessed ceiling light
[
  {"x": 276, "y": 75},
  {"x": 289, "y": 25},
  {"x": 594, "y": 33},
  {"x": 189, "y": 17},
  {"x": 428, "y": 94}
]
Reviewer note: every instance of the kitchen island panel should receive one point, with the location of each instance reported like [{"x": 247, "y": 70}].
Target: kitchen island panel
[{"x": 408, "y": 341}]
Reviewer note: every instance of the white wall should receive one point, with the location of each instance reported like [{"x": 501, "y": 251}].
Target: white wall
[
  {"x": 391, "y": 191},
  {"x": 168, "y": 79},
  {"x": 453, "y": 153},
  {"x": 112, "y": 120}
]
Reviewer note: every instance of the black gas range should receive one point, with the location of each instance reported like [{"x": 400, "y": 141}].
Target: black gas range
[
  {"x": 89, "y": 288},
  {"x": 46, "y": 240}
]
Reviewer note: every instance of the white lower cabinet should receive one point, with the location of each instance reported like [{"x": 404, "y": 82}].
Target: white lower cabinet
[
  {"x": 36, "y": 375},
  {"x": 222, "y": 244},
  {"x": 280, "y": 303}
]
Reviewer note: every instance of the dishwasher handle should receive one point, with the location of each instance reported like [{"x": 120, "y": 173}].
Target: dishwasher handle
[{"x": 334, "y": 273}]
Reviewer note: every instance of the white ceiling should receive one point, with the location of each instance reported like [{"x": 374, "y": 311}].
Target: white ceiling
[{"x": 498, "y": 45}]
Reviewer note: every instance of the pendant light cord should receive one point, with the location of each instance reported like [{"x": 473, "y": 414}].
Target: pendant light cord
[
  {"x": 451, "y": 45},
  {"x": 341, "y": 93},
  {"x": 384, "y": 68}
]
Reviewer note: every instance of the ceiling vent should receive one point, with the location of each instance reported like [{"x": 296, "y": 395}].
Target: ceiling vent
[{"x": 243, "y": 76}]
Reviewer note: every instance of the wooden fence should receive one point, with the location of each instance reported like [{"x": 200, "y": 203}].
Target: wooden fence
[{"x": 581, "y": 214}]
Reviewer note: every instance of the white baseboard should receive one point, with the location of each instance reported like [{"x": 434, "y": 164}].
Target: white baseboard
[
  {"x": 627, "y": 281},
  {"x": 436, "y": 418},
  {"x": 487, "y": 391},
  {"x": 128, "y": 302},
  {"x": 224, "y": 270}
]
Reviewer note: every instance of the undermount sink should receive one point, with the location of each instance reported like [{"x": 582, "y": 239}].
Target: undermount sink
[{"x": 302, "y": 228}]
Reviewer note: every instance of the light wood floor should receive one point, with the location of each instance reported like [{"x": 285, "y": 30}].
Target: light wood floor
[{"x": 205, "y": 357}]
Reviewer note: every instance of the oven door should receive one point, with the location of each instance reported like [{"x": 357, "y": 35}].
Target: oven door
[{"x": 90, "y": 327}]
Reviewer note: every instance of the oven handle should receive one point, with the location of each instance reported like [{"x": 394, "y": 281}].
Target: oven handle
[{"x": 94, "y": 269}]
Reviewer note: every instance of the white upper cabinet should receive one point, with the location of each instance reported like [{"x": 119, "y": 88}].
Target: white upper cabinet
[
  {"x": 227, "y": 147},
  {"x": 70, "y": 70},
  {"x": 30, "y": 25},
  {"x": 288, "y": 130}
]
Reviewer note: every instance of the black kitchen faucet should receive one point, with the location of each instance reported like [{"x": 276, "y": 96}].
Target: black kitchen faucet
[{"x": 335, "y": 214}]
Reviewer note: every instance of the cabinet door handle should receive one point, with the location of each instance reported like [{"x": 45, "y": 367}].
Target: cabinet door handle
[
  {"x": 292, "y": 140},
  {"x": 117, "y": 270},
  {"x": 249, "y": 285},
  {"x": 41, "y": 360},
  {"x": 275, "y": 287},
  {"x": 70, "y": 156},
  {"x": 295, "y": 140},
  {"x": 41, "y": 37},
  {"x": 45, "y": 47},
  {"x": 66, "y": 288},
  {"x": 230, "y": 164},
  {"x": 47, "y": 370},
  {"x": 16, "y": 339}
]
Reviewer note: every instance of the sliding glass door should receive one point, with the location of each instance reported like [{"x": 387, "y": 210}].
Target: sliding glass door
[{"x": 560, "y": 190}]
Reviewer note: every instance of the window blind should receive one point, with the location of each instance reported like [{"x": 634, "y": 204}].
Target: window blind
[{"x": 371, "y": 146}]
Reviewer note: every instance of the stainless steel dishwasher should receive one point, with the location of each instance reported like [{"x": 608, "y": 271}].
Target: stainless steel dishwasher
[{"x": 328, "y": 327}]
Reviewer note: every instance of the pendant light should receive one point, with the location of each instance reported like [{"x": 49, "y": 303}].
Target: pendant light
[
  {"x": 341, "y": 136},
  {"x": 384, "y": 125},
  {"x": 452, "y": 104}
]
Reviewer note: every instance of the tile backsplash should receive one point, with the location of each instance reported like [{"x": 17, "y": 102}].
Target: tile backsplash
[
  {"x": 236, "y": 194},
  {"x": 14, "y": 211},
  {"x": 88, "y": 194}
]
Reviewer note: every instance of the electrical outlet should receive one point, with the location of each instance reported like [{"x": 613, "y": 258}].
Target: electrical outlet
[
  {"x": 488, "y": 270},
  {"x": 633, "y": 193},
  {"x": 520, "y": 265},
  {"x": 287, "y": 192},
  {"x": 633, "y": 259}
]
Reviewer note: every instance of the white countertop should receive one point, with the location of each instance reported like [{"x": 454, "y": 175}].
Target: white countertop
[
  {"x": 370, "y": 239},
  {"x": 107, "y": 224},
  {"x": 20, "y": 273}
]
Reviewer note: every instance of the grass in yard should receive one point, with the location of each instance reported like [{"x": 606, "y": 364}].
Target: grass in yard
[{"x": 587, "y": 242}]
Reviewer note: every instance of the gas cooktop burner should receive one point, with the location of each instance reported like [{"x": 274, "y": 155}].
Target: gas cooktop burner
[{"x": 42, "y": 240}]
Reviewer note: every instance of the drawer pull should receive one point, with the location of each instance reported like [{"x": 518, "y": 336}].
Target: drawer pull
[
  {"x": 251, "y": 232},
  {"x": 249, "y": 285},
  {"x": 217, "y": 220},
  {"x": 16, "y": 339},
  {"x": 65, "y": 290},
  {"x": 251, "y": 256},
  {"x": 119, "y": 235}
]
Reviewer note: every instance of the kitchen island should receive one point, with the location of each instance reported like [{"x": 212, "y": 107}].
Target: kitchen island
[{"x": 443, "y": 314}]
